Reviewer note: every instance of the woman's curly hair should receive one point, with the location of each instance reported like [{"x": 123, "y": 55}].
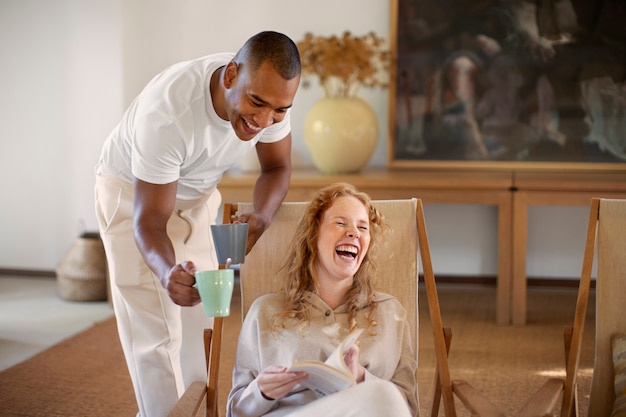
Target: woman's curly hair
[{"x": 299, "y": 269}]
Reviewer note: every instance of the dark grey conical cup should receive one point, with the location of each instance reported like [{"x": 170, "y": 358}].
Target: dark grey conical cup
[{"x": 230, "y": 242}]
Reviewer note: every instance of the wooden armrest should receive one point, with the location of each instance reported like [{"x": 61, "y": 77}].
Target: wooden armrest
[
  {"x": 542, "y": 403},
  {"x": 189, "y": 404},
  {"x": 474, "y": 401}
]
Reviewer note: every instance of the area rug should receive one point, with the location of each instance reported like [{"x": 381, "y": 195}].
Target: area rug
[{"x": 84, "y": 375}]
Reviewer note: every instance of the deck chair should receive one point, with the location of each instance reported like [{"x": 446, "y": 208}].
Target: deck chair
[
  {"x": 399, "y": 257},
  {"x": 606, "y": 237}
]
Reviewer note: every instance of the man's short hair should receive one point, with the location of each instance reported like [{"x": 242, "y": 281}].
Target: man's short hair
[{"x": 273, "y": 47}]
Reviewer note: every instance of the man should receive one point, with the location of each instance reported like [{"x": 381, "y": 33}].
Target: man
[{"x": 156, "y": 197}]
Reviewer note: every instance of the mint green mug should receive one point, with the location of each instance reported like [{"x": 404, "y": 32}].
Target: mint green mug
[{"x": 216, "y": 291}]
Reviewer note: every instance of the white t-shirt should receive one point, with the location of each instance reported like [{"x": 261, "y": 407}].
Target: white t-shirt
[{"x": 171, "y": 132}]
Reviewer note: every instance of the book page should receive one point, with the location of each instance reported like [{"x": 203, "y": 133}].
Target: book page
[
  {"x": 336, "y": 359},
  {"x": 332, "y": 375},
  {"x": 322, "y": 379}
]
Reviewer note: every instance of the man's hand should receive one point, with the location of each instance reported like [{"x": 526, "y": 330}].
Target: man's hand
[
  {"x": 256, "y": 227},
  {"x": 179, "y": 284}
]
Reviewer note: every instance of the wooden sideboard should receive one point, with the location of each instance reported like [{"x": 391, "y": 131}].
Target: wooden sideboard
[
  {"x": 550, "y": 189},
  {"x": 510, "y": 192}
]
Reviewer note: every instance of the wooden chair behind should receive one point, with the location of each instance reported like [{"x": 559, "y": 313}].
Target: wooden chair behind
[
  {"x": 606, "y": 237},
  {"x": 610, "y": 293}
]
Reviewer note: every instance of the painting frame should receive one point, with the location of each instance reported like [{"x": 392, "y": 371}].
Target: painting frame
[{"x": 397, "y": 158}]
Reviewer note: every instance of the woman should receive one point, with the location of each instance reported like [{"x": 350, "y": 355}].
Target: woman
[{"x": 328, "y": 293}]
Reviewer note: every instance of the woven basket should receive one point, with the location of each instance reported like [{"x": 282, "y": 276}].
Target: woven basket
[{"x": 82, "y": 275}]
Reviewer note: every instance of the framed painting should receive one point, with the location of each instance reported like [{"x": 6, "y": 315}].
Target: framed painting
[{"x": 508, "y": 84}]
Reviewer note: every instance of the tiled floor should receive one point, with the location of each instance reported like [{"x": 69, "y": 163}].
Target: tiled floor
[{"x": 33, "y": 317}]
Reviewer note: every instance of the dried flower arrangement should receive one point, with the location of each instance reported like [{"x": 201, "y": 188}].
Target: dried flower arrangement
[{"x": 343, "y": 64}]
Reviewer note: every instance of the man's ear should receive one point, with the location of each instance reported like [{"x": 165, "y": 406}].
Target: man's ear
[{"x": 230, "y": 74}]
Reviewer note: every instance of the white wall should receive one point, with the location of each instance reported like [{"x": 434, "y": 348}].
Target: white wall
[
  {"x": 60, "y": 96},
  {"x": 71, "y": 66}
]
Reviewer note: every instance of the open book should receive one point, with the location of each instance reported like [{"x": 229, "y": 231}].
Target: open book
[{"x": 332, "y": 375}]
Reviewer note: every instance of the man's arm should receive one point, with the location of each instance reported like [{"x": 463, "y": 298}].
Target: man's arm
[
  {"x": 271, "y": 187},
  {"x": 153, "y": 207}
]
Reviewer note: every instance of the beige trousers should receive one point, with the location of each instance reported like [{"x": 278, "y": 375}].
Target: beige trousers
[{"x": 162, "y": 341}]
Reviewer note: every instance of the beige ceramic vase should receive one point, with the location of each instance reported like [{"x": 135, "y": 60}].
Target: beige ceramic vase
[{"x": 341, "y": 134}]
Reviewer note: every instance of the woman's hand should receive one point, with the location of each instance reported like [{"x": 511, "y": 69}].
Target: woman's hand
[
  {"x": 352, "y": 360},
  {"x": 275, "y": 382}
]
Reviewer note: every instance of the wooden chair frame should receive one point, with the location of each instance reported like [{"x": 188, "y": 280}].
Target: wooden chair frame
[
  {"x": 544, "y": 401},
  {"x": 606, "y": 240},
  {"x": 200, "y": 392},
  {"x": 206, "y": 391}
]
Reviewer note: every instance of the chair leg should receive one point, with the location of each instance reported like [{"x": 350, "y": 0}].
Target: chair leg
[
  {"x": 574, "y": 340},
  {"x": 213, "y": 359},
  {"x": 567, "y": 342},
  {"x": 435, "y": 313},
  {"x": 208, "y": 334},
  {"x": 214, "y": 368},
  {"x": 434, "y": 411}
]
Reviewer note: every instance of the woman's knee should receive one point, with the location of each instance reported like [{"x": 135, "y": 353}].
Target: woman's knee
[{"x": 384, "y": 398}]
